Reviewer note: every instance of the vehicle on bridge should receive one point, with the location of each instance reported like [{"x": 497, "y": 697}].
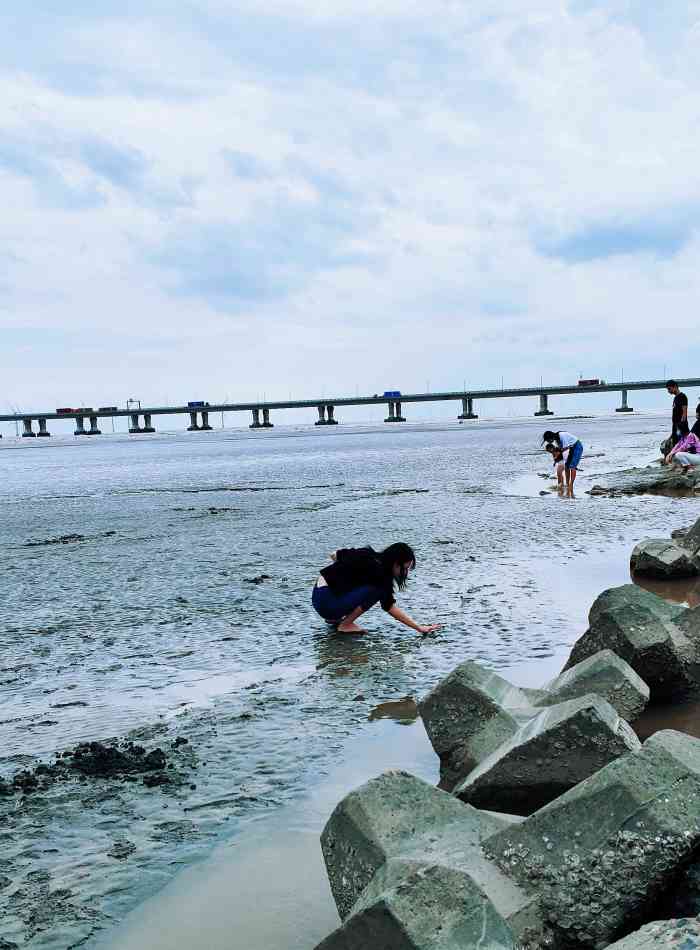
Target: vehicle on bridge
[
  {"x": 84, "y": 409},
  {"x": 197, "y": 404},
  {"x": 392, "y": 394},
  {"x": 107, "y": 409},
  {"x": 591, "y": 382},
  {"x": 65, "y": 411}
]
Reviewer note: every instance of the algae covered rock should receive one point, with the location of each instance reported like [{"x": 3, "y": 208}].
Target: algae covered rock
[
  {"x": 606, "y": 851},
  {"x": 422, "y": 908},
  {"x": 468, "y": 715},
  {"x": 399, "y": 826},
  {"x": 642, "y": 629},
  {"x": 660, "y": 558},
  {"x": 651, "y": 480},
  {"x": 608, "y": 676},
  {"x": 557, "y": 749}
]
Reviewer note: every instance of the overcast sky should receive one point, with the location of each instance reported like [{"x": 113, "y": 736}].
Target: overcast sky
[{"x": 208, "y": 199}]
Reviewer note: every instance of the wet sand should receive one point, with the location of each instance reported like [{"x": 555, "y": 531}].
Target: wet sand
[{"x": 268, "y": 890}]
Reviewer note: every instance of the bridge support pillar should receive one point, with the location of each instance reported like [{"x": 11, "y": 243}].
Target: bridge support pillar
[
  {"x": 332, "y": 421},
  {"x": 43, "y": 432},
  {"x": 80, "y": 425},
  {"x": 544, "y": 409},
  {"x": 467, "y": 409},
  {"x": 256, "y": 419},
  {"x": 93, "y": 430},
  {"x": 623, "y": 407},
  {"x": 193, "y": 426},
  {"x": 321, "y": 416},
  {"x": 266, "y": 419},
  {"x": 147, "y": 424},
  {"x": 205, "y": 421},
  {"x": 391, "y": 417},
  {"x": 28, "y": 432},
  {"x": 398, "y": 417},
  {"x": 134, "y": 427}
]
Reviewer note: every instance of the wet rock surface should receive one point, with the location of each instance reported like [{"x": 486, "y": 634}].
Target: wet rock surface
[
  {"x": 551, "y": 753},
  {"x": 380, "y": 835},
  {"x": 125, "y": 761},
  {"x": 473, "y": 713},
  {"x": 608, "y": 676},
  {"x": 661, "y": 558},
  {"x": 468, "y": 715},
  {"x": 419, "y": 907},
  {"x": 647, "y": 633},
  {"x": 592, "y": 866},
  {"x": 654, "y": 479},
  {"x": 602, "y": 855}
]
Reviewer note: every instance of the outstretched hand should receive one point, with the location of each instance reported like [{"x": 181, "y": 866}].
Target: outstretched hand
[{"x": 429, "y": 628}]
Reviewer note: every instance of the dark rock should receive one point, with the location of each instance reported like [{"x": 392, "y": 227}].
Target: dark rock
[
  {"x": 96, "y": 759},
  {"x": 652, "y": 480},
  {"x": 380, "y": 835},
  {"x": 660, "y": 558},
  {"x": 421, "y": 907},
  {"x": 603, "y": 854},
  {"x": 642, "y": 629},
  {"x": 121, "y": 849},
  {"x": 551, "y": 753},
  {"x": 468, "y": 715},
  {"x": 606, "y": 675}
]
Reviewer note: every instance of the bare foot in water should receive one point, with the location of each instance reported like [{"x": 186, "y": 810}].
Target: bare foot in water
[{"x": 349, "y": 628}]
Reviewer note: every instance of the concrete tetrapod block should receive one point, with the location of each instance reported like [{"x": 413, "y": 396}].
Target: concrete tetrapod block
[
  {"x": 551, "y": 753},
  {"x": 603, "y": 853},
  {"x": 468, "y": 715},
  {"x": 397, "y": 822},
  {"x": 682, "y": 934},
  {"x": 660, "y": 558},
  {"x": 691, "y": 538},
  {"x": 606, "y": 675},
  {"x": 430, "y": 907},
  {"x": 642, "y": 629}
]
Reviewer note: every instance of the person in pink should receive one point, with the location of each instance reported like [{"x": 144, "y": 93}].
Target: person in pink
[{"x": 685, "y": 453}]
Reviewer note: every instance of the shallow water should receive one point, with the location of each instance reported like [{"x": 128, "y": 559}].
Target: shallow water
[{"x": 149, "y": 623}]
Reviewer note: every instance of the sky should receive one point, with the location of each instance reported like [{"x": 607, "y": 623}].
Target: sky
[{"x": 274, "y": 198}]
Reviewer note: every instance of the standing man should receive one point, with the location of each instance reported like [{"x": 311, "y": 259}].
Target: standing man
[{"x": 679, "y": 415}]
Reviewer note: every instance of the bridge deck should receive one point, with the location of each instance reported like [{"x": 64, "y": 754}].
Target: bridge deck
[{"x": 474, "y": 394}]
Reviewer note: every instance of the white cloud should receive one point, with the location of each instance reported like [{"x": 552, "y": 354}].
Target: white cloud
[{"x": 299, "y": 195}]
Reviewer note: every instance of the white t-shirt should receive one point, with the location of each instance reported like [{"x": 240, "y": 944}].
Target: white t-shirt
[{"x": 567, "y": 440}]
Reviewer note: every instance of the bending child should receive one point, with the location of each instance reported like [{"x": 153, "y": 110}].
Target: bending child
[{"x": 558, "y": 461}]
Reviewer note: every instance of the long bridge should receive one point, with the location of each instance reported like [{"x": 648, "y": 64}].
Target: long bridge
[{"x": 325, "y": 407}]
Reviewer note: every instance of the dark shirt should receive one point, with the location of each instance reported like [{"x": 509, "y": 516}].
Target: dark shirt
[
  {"x": 680, "y": 402},
  {"x": 357, "y": 567},
  {"x": 696, "y": 429}
]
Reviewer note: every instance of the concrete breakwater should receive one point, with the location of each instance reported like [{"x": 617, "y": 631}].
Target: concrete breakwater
[{"x": 553, "y": 825}]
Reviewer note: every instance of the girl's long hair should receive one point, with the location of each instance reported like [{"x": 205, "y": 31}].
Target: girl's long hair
[
  {"x": 401, "y": 554},
  {"x": 551, "y": 437}
]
